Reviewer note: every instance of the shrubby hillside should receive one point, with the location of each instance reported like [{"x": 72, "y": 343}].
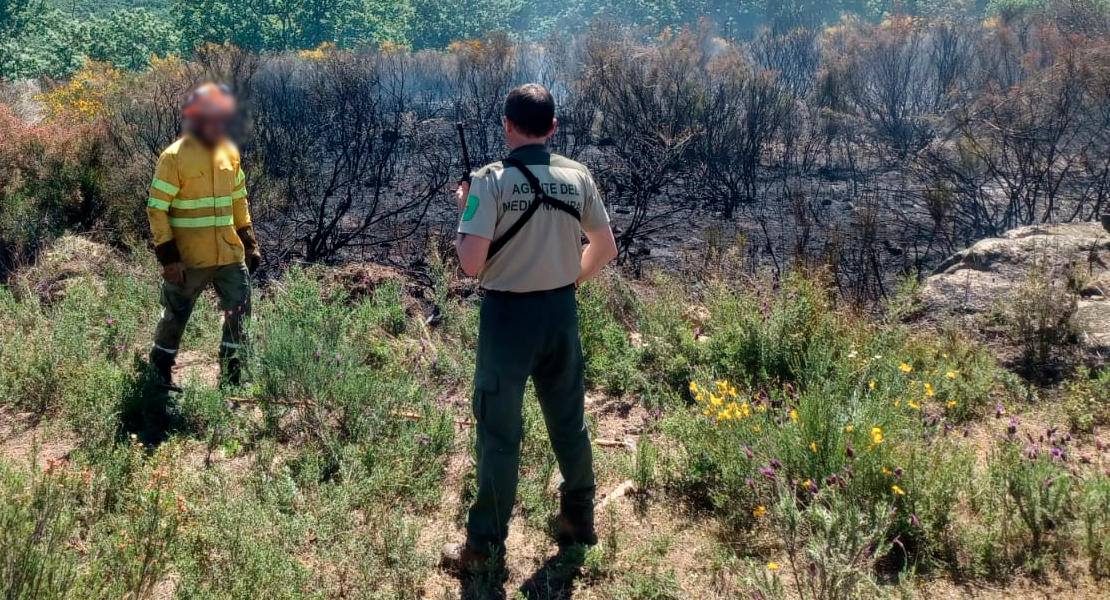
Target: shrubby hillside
[
  {"x": 855, "y": 344},
  {"x": 753, "y": 435}
]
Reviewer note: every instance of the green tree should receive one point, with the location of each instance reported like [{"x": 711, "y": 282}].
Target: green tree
[
  {"x": 52, "y": 44},
  {"x": 437, "y": 23},
  {"x": 15, "y": 15},
  {"x": 219, "y": 21},
  {"x": 128, "y": 38}
]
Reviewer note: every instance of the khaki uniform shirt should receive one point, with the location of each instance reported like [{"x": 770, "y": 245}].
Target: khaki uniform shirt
[{"x": 546, "y": 253}]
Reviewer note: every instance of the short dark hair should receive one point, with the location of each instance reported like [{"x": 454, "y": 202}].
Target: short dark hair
[{"x": 531, "y": 108}]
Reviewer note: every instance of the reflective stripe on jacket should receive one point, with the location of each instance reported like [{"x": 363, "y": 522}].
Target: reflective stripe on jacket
[{"x": 198, "y": 199}]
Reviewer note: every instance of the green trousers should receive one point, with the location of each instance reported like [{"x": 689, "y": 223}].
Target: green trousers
[
  {"x": 520, "y": 336},
  {"x": 233, "y": 288}
]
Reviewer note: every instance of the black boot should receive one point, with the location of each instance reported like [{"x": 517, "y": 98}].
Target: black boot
[
  {"x": 161, "y": 364},
  {"x": 232, "y": 372},
  {"x": 575, "y": 526}
]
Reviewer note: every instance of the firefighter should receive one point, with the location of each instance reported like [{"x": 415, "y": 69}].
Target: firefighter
[
  {"x": 520, "y": 230},
  {"x": 202, "y": 232}
]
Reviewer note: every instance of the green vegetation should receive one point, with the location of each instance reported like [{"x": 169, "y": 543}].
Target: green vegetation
[
  {"x": 825, "y": 453},
  {"x": 53, "y": 37}
]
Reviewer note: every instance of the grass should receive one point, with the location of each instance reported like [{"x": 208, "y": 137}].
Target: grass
[{"x": 782, "y": 446}]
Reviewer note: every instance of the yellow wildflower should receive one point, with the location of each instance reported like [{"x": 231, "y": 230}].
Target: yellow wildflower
[
  {"x": 693, "y": 387},
  {"x": 707, "y": 412},
  {"x": 951, "y": 404},
  {"x": 876, "y": 435},
  {"x": 849, "y": 428},
  {"x": 873, "y": 384},
  {"x": 715, "y": 400},
  {"x": 905, "y": 368},
  {"x": 897, "y": 490},
  {"x": 887, "y": 471},
  {"x": 913, "y": 405},
  {"x": 794, "y": 415},
  {"x": 929, "y": 389},
  {"x": 771, "y": 566},
  {"x": 759, "y": 511},
  {"x": 950, "y": 374},
  {"x": 699, "y": 397},
  {"x": 813, "y": 447}
]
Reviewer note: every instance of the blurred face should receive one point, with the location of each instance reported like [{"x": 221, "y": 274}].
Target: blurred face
[
  {"x": 209, "y": 111},
  {"x": 210, "y": 129}
]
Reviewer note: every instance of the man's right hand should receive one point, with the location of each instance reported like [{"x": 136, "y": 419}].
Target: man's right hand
[{"x": 174, "y": 273}]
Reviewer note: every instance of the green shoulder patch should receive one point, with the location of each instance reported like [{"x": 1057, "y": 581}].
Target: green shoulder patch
[{"x": 471, "y": 207}]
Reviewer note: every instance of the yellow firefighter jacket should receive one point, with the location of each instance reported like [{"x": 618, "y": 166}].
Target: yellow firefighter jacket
[{"x": 198, "y": 200}]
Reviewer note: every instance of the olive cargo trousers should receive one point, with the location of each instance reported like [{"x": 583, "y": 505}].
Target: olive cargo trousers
[
  {"x": 520, "y": 336},
  {"x": 232, "y": 285}
]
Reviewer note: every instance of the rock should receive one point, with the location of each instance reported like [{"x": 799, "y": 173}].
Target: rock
[{"x": 973, "y": 283}]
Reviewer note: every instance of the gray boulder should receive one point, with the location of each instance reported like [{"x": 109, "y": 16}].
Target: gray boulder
[{"x": 975, "y": 284}]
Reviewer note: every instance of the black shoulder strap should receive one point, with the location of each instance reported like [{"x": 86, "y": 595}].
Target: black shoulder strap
[{"x": 541, "y": 197}]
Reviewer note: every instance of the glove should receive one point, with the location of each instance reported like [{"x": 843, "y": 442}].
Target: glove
[
  {"x": 173, "y": 270},
  {"x": 174, "y": 273},
  {"x": 253, "y": 255},
  {"x": 167, "y": 253}
]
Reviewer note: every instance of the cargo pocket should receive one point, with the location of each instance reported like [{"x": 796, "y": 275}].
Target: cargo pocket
[
  {"x": 485, "y": 389},
  {"x": 231, "y": 237}
]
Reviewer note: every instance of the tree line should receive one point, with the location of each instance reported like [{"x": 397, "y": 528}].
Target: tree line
[{"x": 53, "y": 37}]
